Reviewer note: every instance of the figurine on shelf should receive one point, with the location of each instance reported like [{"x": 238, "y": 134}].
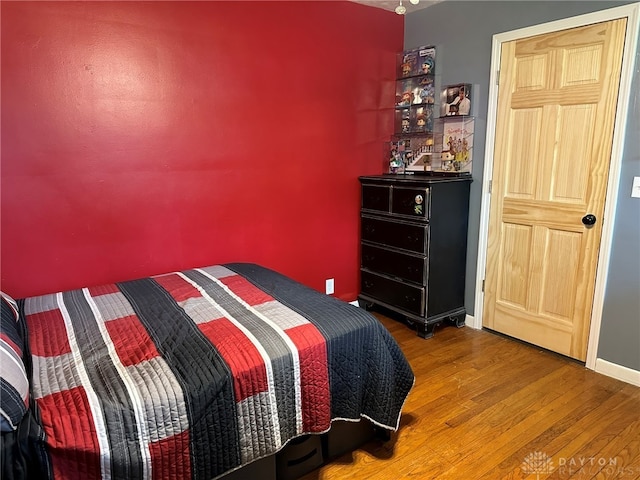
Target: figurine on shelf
[
  {"x": 406, "y": 68},
  {"x": 426, "y": 90},
  {"x": 405, "y": 99},
  {"x": 396, "y": 165},
  {"x": 416, "y": 97},
  {"x": 427, "y": 65},
  {"x": 423, "y": 119},
  {"x": 405, "y": 125},
  {"x": 402, "y": 121},
  {"x": 408, "y": 64},
  {"x": 452, "y": 146},
  {"x": 397, "y": 155}
]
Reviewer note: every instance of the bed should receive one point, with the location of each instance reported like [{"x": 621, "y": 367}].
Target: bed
[{"x": 191, "y": 374}]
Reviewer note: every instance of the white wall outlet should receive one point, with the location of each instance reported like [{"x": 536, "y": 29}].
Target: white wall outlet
[
  {"x": 635, "y": 190},
  {"x": 329, "y": 286}
]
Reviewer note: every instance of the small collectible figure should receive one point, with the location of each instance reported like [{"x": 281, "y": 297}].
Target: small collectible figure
[
  {"x": 427, "y": 65},
  {"x": 395, "y": 160},
  {"x": 427, "y": 91},
  {"x": 416, "y": 97},
  {"x": 406, "y": 69},
  {"x": 452, "y": 146},
  {"x": 409, "y": 63},
  {"x": 405, "y": 125}
]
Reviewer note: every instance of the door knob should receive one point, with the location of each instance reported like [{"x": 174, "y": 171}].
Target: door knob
[{"x": 589, "y": 219}]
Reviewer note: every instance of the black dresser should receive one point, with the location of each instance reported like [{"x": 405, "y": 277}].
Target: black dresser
[{"x": 414, "y": 247}]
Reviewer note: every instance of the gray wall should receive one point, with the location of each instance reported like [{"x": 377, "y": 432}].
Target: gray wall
[{"x": 463, "y": 33}]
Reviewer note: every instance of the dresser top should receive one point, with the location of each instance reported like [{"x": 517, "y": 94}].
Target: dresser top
[{"x": 414, "y": 179}]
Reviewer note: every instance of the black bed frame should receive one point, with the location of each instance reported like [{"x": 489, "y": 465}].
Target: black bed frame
[{"x": 304, "y": 454}]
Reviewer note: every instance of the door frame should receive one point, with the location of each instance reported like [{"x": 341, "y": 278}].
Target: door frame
[{"x": 632, "y": 13}]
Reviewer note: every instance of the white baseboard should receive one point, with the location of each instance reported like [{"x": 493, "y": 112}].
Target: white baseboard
[
  {"x": 602, "y": 366},
  {"x": 470, "y": 321},
  {"x": 618, "y": 372}
]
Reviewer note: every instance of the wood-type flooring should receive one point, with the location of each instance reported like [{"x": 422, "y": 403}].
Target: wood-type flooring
[{"x": 485, "y": 406}]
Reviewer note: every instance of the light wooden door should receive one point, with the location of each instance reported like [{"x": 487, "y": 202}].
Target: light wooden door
[{"x": 555, "y": 118}]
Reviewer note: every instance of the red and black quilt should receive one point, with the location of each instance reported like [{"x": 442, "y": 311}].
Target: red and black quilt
[{"x": 195, "y": 373}]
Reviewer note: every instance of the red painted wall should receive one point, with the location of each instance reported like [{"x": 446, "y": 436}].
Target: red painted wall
[{"x": 144, "y": 137}]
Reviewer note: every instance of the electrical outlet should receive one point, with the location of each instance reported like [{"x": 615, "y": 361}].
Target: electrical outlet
[
  {"x": 635, "y": 190},
  {"x": 328, "y": 286}
]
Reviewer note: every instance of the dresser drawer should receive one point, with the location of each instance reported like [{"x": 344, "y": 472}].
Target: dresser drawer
[
  {"x": 395, "y": 264},
  {"x": 408, "y": 236},
  {"x": 411, "y": 202},
  {"x": 376, "y": 198},
  {"x": 392, "y": 292}
]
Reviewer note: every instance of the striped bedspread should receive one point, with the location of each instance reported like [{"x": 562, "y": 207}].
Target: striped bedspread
[{"x": 195, "y": 373}]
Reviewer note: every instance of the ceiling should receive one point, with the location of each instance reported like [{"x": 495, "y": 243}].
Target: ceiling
[{"x": 392, "y": 4}]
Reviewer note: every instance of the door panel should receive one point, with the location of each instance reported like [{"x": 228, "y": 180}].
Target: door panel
[
  {"x": 556, "y": 110},
  {"x": 560, "y": 272},
  {"x": 516, "y": 254},
  {"x": 522, "y": 173}
]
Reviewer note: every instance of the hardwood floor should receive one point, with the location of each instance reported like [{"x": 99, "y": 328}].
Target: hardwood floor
[{"x": 489, "y": 407}]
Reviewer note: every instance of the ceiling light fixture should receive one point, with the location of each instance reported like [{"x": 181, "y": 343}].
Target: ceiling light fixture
[{"x": 401, "y": 9}]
